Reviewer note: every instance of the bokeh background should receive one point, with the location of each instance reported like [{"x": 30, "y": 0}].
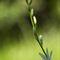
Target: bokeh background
[{"x": 17, "y": 41}]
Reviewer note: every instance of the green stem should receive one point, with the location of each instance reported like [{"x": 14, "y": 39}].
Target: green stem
[
  {"x": 35, "y": 33},
  {"x": 36, "y": 36}
]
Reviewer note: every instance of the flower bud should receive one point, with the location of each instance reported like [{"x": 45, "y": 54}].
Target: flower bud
[
  {"x": 32, "y": 12},
  {"x": 34, "y": 18},
  {"x": 41, "y": 39}
]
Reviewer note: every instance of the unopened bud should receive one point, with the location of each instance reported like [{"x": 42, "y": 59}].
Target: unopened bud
[
  {"x": 34, "y": 18},
  {"x": 41, "y": 39},
  {"x": 32, "y": 12}
]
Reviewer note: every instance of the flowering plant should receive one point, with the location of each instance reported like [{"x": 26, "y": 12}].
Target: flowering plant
[{"x": 39, "y": 38}]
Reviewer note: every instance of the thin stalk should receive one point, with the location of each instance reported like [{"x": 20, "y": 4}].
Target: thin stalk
[
  {"x": 36, "y": 36},
  {"x": 35, "y": 33}
]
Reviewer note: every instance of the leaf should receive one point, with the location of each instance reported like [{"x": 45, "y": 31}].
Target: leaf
[
  {"x": 43, "y": 56},
  {"x": 48, "y": 55},
  {"x": 47, "y": 52}
]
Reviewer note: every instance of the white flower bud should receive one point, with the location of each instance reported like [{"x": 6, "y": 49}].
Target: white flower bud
[
  {"x": 32, "y": 11},
  {"x": 40, "y": 37},
  {"x": 34, "y": 18}
]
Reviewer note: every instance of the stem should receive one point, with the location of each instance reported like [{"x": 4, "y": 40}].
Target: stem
[
  {"x": 35, "y": 33},
  {"x": 36, "y": 36}
]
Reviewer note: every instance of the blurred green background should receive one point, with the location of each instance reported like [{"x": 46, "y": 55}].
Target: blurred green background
[{"x": 17, "y": 41}]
